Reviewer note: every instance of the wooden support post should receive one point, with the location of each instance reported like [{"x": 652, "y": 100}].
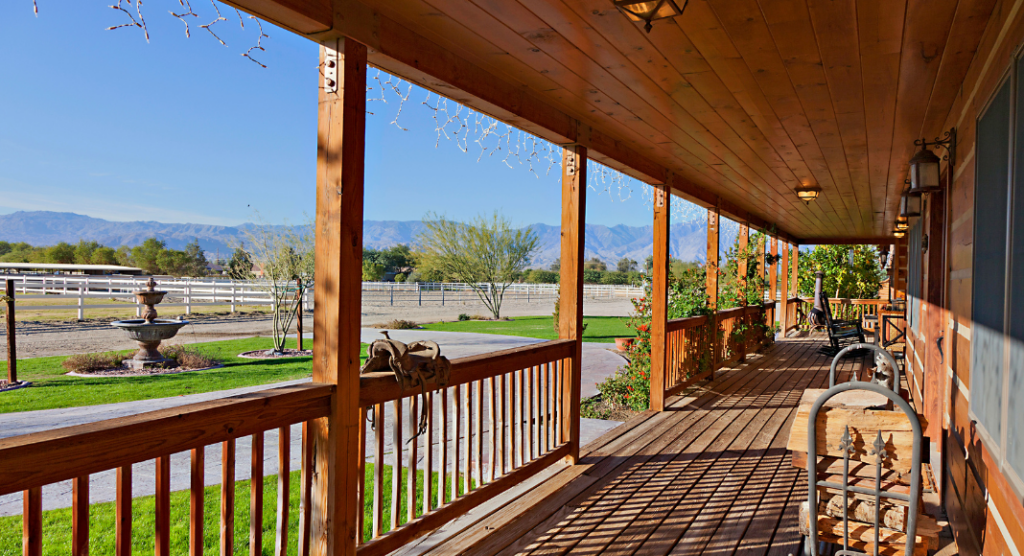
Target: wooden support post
[
  {"x": 711, "y": 271},
  {"x": 659, "y": 297},
  {"x": 570, "y": 311},
  {"x": 762, "y": 272},
  {"x": 741, "y": 283},
  {"x": 773, "y": 272},
  {"x": 794, "y": 283},
  {"x": 12, "y": 351},
  {"x": 784, "y": 288},
  {"x": 341, "y": 136}
]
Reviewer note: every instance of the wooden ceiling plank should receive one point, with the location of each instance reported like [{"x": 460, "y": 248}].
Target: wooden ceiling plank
[
  {"x": 880, "y": 28},
  {"x": 471, "y": 18},
  {"x": 304, "y": 17},
  {"x": 604, "y": 31},
  {"x": 714, "y": 46},
  {"x": 443, "y": 26},
  {"x": 927, "y": 27},
  {"x": 789, "y": 23},
  {"x": 969, "y": 22},
  {"x": 560, "y": 30},
  {"x": 835, "y": 27},
  {"x": 750, "y": 37}
]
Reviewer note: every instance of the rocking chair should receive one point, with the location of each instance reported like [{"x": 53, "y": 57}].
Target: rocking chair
[{"x": 840, "y": 333}]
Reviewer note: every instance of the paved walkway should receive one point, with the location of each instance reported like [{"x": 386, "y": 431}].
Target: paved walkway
[{"x": 598, "y": 363}]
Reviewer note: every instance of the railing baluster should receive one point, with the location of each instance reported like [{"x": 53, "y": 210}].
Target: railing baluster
[
  {"x": 410, "y": 489},
  {"x": 456, "y": 441},
  {"x": 442, "y": 446},
  {"x": 162, "y": 513},
  {"x": 522, "y": 422},
  {"x": 378, "y": 470},
  {"x": 227, "y": 498},
  {"x": 513, "y": 438},
  {"x": 80, "y": 516},
  {"x": 502, "y": 425},
  {"x": 428, "y": 471},
  {"x": 478, "y": 409},
  {"x": 530, "y": 415},
  {"x": 123, "y": 512},
  {"x": 557, "y": 401},
  {"x": 284, "y": 472},
  {"x": 396, "y": 466},
  {"x": 467, "y": 408},
  {"x": 197, "y": 493},
  {"x": 32, "y": 522},
  {"x": 306, "y": 495},
  {"x": 256, "y": 496},
  {"x": 492, "y": 420}
]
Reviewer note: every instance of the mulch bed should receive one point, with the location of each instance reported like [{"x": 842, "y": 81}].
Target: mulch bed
[
  {"x": 269, "y": 354},
  {"x": 127, "y": 372}
]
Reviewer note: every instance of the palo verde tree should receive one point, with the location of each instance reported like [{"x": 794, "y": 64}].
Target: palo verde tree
[
  {"x": 285, "y": 256},
  {"x": 487, "y": 253}
]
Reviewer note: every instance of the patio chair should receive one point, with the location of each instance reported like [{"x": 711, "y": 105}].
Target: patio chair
[
  {"x": 865, "y": 492},
  {"x": 840, "y": 333}
]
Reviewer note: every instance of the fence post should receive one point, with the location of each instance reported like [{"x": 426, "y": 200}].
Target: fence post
[
  {"x": 298, "y": 316},
  {"x": 233, "y": 297},
  {"x": 188, "y": 298},
  {"x": 12, "y": 354},
  {"x": 391, "y": 290},
  {"x": 81, "y": 303},
  {"x": 442, "y": 294},
  {"x": 419, "y": 293}
]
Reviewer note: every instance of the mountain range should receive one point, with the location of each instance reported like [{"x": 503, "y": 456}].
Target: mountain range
[{"x": 608, "y": 243}]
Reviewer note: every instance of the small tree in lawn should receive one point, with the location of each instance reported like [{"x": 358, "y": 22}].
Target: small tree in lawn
[
  {"x": 487, "y": 254},
  {"x": 286, "y": 257}
]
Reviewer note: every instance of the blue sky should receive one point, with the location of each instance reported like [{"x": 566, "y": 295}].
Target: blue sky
[{"x": 186, "y": 130}]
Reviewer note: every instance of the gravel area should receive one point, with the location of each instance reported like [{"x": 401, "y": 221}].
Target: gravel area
[{"x": 47, "y": 338}]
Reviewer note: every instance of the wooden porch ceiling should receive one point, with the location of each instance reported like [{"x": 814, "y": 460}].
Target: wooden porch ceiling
[{"x": 741, "y": 100}]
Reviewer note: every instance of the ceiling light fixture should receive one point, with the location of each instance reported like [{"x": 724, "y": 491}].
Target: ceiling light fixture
[{"x": 650, "y": 11}]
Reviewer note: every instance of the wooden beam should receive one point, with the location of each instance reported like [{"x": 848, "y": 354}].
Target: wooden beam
[
  {"x": 784, "y": 288},
  {"x": 847, "y": 240},
  {"x": 341, "y": 139},
  {"x": 659, "y": 297},
  {"x": 570, "y": 311},
  {"x": 304, "y": 17},
  {"x": 741, "y": 280},
  {"x": 761, "y": 270}
]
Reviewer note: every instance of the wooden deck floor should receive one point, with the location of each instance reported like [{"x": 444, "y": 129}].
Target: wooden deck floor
[{"x": 709, "y": 476}]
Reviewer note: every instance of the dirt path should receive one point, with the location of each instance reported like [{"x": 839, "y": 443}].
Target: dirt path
[{"x": 49, "y": 338}]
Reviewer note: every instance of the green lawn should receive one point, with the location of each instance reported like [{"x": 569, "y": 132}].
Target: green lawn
[
  {"x": 599, "y": 329},
  {"x": 57, "y": 523},
  {"x": 52, "y": 389}
]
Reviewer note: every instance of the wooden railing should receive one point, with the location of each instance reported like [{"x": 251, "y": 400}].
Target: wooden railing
[
  {"x": 502, "y": 418},
  {"x": 690, "y": 356},
  {"x": 695, "y": 349},
  {"x": 842, "y": 309},
  {"x": 74, "y": 453}
]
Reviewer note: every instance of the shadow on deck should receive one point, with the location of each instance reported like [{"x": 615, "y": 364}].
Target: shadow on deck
[{"x": 710, "y": 475}]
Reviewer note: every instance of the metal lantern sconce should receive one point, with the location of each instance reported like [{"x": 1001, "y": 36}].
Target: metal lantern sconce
[
  {"x": 910, "y": 204},
  {"x": 807, "y": 193},
  {"x": 902, "y": 224},
  {"x": 924, "y": 166},
  {"x": 650, "y": 11}
]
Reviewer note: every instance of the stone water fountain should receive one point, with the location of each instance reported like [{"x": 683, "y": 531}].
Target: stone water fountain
[{"x": 149, "y": 331}]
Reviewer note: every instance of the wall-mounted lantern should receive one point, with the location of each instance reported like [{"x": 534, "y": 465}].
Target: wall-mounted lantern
[
  {"x": 902, "y": 224},
  {"x": 910, "y": 204},
  {"x": 807, "y": 193},
  {"x": 924, "y": 166},
  {"x": 899, "y": 235},
  {"x": 650, "y": 11}
]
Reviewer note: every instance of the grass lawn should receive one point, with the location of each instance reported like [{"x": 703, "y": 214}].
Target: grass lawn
[
  {"x": 599, "y": 329},
  {"x": 57, "y": 523},
  {"x": 52, "y": 389}
]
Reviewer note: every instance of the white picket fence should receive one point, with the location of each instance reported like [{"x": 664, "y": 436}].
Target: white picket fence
[{"x": 201, "y": 292}]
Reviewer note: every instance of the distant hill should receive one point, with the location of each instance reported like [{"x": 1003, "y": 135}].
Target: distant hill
[{"x": 609, "y": 243}]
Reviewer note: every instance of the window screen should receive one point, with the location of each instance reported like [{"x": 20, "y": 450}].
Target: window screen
[{"x": 989, "y": 273}]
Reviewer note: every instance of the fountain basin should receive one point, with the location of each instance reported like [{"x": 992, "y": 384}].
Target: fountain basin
[{"x": 149, "y": 334}]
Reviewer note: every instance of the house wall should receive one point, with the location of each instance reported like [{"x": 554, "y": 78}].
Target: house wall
[{"x": 986, "y": 514}]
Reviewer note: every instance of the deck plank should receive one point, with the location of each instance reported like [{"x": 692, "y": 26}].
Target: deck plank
[{"x": 709, "y": 475}]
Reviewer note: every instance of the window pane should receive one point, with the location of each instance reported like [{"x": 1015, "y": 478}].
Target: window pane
[
  {"x": 989, "y": 274},
  {"x": 1015, "y": 438}
]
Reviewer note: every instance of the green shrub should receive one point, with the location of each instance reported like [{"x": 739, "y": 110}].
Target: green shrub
[
  {"x": 538, "y": 276},
  {"x": 188, "y": 357},
  {"x": 93, "y": 362},
  {"x": 400, "y": 277},
  {"x": 463, "y": 317},
  {"x": 592, "y": 276},
  {"x": 616, "y": 278}
]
